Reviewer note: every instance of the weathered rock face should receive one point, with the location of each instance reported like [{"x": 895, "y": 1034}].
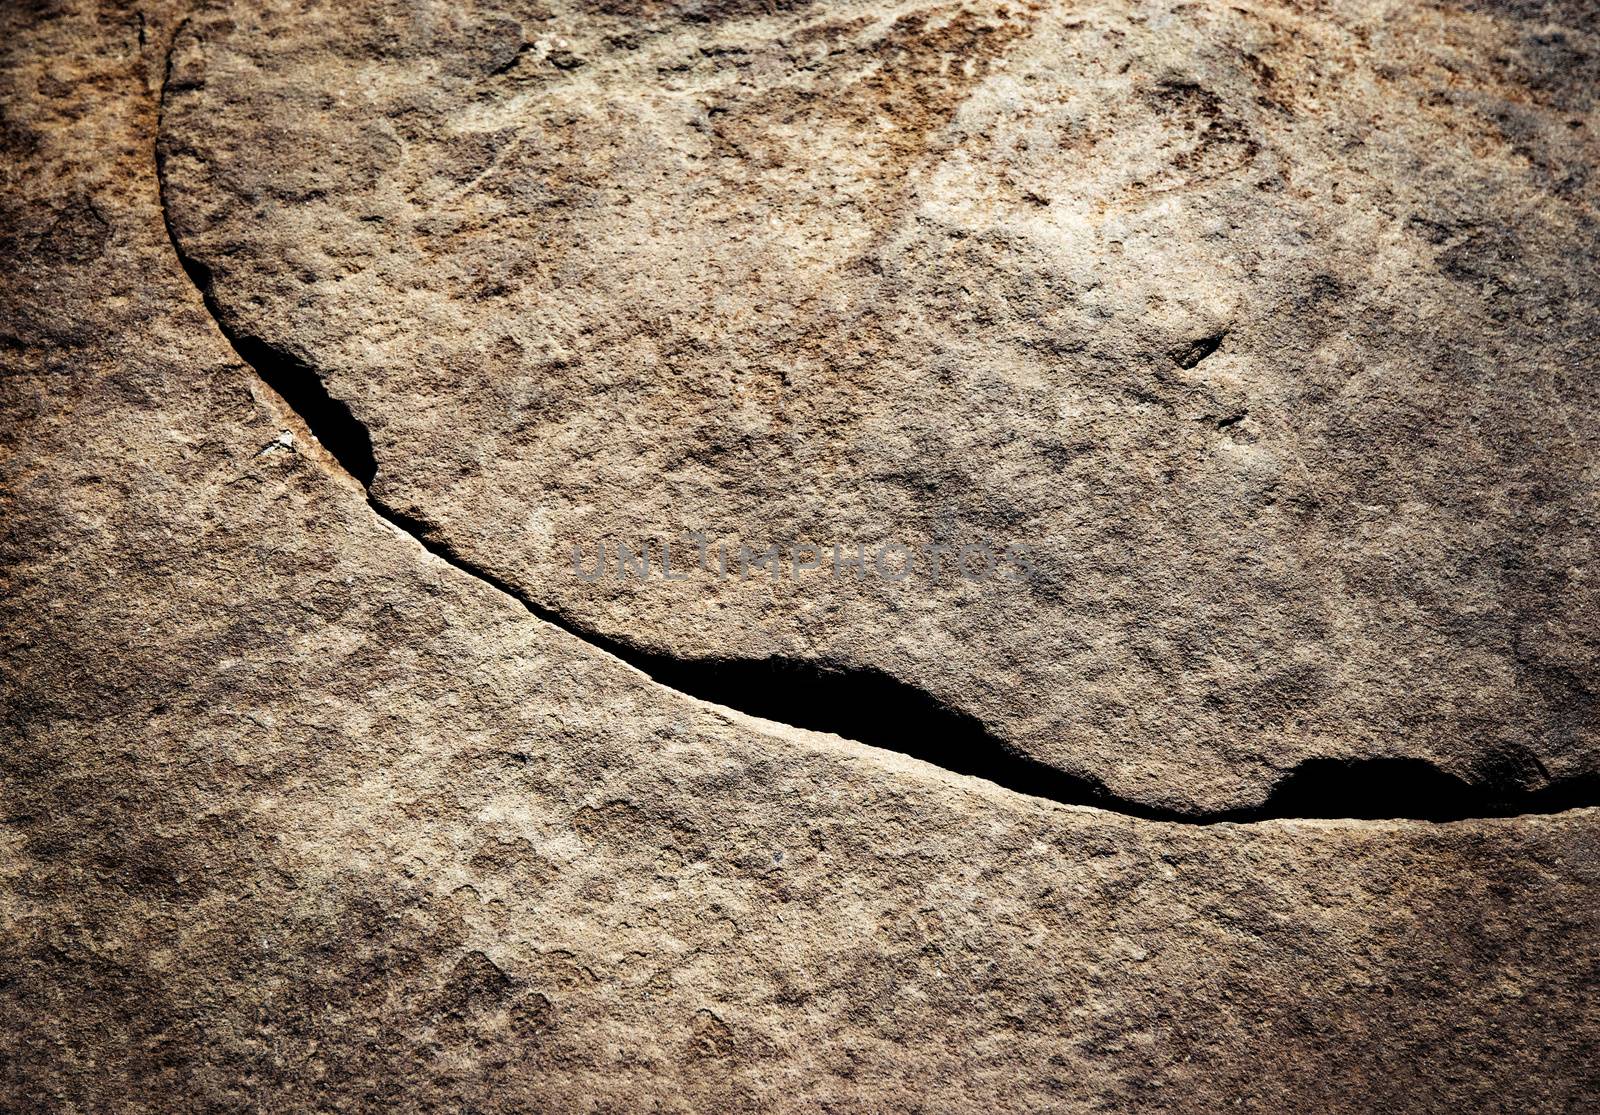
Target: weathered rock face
[
  {"x": 295, "y": 817},
  {"x": 1251, "y": 339}
]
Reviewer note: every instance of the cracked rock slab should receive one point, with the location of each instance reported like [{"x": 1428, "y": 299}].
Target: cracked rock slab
[
  {"x": 295, "y": 817},
  {"x": 1262, "y": 330}
]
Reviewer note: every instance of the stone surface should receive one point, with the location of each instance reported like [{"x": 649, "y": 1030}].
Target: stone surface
[
  {"x": 296, "y": 817},
  {"x": 1267, "y": 328}
]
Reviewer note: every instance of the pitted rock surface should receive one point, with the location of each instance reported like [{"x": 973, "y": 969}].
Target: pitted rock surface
[
  {"x": 1265, "y": 328},
  {"x": 295, "y": 817}
]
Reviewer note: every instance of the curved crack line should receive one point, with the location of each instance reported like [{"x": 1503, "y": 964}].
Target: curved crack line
[{"x": 885, "y": 712}]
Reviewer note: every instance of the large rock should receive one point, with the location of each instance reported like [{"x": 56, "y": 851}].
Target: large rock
[
  {"x": 1264, "y": 332},
  {"x": 295, "y": 817}
]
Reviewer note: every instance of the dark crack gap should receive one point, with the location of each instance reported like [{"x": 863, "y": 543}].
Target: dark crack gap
[
  {"x": 330, "y": 421},
  {"x": 870, "y": 707}
]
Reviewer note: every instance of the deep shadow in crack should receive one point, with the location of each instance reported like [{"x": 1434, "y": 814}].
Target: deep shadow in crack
[
  {"x": 327, "y": 418},
  {"x": 1380, "y": 788},
  {"x": 870, "y": 707},
  {"x": 330, "y": 421}
]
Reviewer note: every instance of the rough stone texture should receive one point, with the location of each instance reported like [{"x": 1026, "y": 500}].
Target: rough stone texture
[
  {"x": 295, "y": 817},
  {"x": 1270, "y": 328}
]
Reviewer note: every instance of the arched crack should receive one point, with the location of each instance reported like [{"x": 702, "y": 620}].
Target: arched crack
[{"x": 869, "y": 706}]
